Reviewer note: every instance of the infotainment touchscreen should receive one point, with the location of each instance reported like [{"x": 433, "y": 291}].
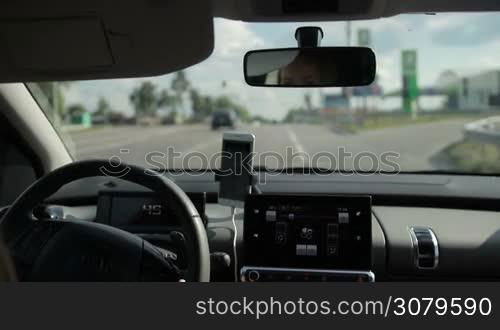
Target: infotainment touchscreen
[{"x": 318, "y": 232}]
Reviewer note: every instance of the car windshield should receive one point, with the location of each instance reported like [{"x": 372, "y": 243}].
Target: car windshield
[{"x": 432, "y": 107}]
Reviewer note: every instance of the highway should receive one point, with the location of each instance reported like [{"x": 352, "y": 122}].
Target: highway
[{"x": 405, "y": 148}]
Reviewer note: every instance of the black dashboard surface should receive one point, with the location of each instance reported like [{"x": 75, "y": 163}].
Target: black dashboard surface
[
  {"x": 434, "y": 190},
  {"x": 459, "y": 209}
]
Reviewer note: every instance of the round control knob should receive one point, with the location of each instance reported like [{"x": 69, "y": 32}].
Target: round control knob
[{"x": 253, "y": 276}]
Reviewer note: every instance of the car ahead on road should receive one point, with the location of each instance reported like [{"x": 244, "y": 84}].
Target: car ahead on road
[
  {"x": 224, "y": 118},
  {"x": 403, "y": 197}
]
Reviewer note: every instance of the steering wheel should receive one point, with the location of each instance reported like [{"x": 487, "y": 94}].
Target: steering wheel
[{"x": 60, "y": 250}]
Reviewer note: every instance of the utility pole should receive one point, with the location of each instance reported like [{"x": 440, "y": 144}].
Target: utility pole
[
  {"x": 56, "y": 106},
  {"x": 348, "y": 33},
  {"x": 346, "y": 91}
]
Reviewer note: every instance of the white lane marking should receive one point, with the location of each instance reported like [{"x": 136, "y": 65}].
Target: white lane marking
[
  {"x": 295, "y": 140},
  {"x": 297, "y": 148}
]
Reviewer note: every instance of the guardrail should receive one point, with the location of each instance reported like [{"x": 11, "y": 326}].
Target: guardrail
[{"x": 485, "y": 130}]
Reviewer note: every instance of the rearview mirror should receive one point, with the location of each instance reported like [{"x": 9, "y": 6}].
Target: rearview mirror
[{"x": 310, "y": 67}]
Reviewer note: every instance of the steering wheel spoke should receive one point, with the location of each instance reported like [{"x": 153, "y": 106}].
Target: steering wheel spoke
[{"x": 27, "y": 245}]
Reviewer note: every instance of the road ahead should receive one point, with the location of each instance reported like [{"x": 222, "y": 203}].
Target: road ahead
[{"x": 411, "y": 146}]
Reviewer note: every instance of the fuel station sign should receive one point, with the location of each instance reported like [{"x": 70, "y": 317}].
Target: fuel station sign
[{"x": 410, "y": 83}]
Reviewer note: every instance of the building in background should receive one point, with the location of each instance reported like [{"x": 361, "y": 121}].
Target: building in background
[{"x": 480, "y": 92}]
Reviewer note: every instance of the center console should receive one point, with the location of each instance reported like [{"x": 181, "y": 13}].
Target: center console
[{"x": 307, "y": 238}]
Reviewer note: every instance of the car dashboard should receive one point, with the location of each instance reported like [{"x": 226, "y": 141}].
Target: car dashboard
[{"x": 316, "y": 228}]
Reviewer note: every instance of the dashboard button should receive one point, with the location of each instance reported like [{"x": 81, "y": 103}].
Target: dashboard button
[
  {"x": 333, "y": 229},
  {"x": 332, "y": 239},
  {"x": 306, "y": 233},
  {"x": 344, "y": 217},
  {"x": 312, "y": 250},
  {"x": 280, "y": 239},
  {"x": 280, "y": 235},
  {"x": 332, "y": 250},
  {"x": 270, "y": 215},
  {"x": 301, "y": 249}
]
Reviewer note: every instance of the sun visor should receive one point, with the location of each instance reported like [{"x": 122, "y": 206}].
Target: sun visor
[
  {"x": 36, "y": 45},
  {"x": 99, "y": 40}
]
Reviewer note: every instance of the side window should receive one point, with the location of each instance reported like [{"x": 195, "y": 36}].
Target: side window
[{"x": 16, "y": 170}]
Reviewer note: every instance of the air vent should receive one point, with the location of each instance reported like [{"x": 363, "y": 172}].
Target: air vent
[{"x": 425, "y": 247}]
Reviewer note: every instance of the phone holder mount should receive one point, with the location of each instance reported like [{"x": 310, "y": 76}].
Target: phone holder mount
[
  {"x": 309, "y": 36},
  {"x": 254, "y": 185}
]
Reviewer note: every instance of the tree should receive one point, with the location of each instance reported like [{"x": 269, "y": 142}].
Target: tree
[
  {"x": 103, "y": 108},
  {"x": 165, "y": 99},
  {"x": 307, "y": 101},
  {"x": 144, "y": 99},
  {"x": 76, "y": 110},
  {"x": 180, "y": 85},
  {"x": 242, "y": 112},
  {"x": 294, "y": 114},
  {"x": 225, "y": 103},
  {"x": 208, "y": 104},
  {"x": 196, "y": 104},
  {"x": 261, "y": 119},
  {"x": 202, "y": 105},
  {"x": 54, "y": 91}
]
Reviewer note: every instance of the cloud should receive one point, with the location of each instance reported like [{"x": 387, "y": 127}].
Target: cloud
[
  {"x": 233, "y": 38},
  {"x": 460, "y": 42},
  {"x": 388, "y": 71},
  {"x": 464, "y": 30}
]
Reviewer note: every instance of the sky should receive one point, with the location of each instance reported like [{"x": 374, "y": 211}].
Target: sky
[{"x": 465, "y": 43}]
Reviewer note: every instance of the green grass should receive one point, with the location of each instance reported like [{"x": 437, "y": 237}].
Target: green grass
[
  {"x": 388, "y": 121},
  {"x": 468, "y": 156},
  {"x": 85, "y": 129}
]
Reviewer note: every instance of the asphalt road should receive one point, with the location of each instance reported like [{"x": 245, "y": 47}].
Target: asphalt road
[{"x": 406, "y": 148}]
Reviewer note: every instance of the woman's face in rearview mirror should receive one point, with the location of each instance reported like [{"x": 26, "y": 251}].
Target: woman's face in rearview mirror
[
  {"x": 301, "y": 71},
  {"x": 310, "y": 67}
]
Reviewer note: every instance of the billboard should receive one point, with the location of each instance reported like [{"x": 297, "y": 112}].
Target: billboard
[{"x": 335, "y": 101}]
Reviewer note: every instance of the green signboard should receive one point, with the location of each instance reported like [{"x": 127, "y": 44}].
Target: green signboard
[
  {"x": 83, "y": 119},
  {"x": 410, "y": 84},
  {"x": 364, "y": 38}
]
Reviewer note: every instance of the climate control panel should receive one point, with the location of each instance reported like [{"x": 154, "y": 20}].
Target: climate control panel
[{"x": 287, "y": 234}]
